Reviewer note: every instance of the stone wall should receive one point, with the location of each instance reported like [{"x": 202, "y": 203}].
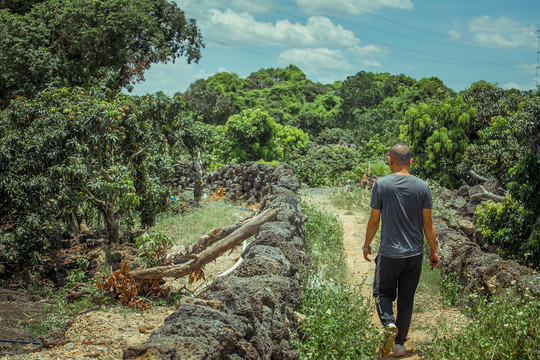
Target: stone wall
[
  {"x": 243, "y": 182},
  {"x": 249, "y": 314},
  {"x": 464, "y": 252}
]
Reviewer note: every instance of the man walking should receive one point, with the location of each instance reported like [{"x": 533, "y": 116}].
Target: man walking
[{"x": 404, "y": 204}]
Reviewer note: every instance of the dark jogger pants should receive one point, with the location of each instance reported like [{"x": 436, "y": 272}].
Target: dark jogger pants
[{"x": 396, "y": 277}]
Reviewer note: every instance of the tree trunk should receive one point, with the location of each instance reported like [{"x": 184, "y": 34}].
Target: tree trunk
[
  {"x": 197, "y": 191},
  {"x": 81, "y": 220},
  {"x": 211, "y": 253},
  {"x": 113, "y": 229}
]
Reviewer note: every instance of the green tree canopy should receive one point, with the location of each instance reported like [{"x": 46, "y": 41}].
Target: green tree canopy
[
  {"x": 79, "y": 42},
  {"x": 74, "y": 147},
  {"x": 435, "y": 131}
]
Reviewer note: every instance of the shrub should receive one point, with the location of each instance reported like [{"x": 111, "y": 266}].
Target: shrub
[{"x": 507, "y": 226}]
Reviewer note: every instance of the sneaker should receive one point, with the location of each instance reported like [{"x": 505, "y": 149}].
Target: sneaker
[
  {"x": 392, "y": 333},
  {"x": 399, "y": 350}
]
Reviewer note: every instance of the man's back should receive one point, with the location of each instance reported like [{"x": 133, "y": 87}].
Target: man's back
[{"x": 401, "y": 199}]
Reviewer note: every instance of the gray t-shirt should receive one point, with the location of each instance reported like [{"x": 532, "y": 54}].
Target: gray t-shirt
[{"x": 401, "y": 199}]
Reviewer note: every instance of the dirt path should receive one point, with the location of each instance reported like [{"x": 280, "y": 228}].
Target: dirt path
[
  {"x": 428, "y": 311},
  {"x": 361, "y": 271}
]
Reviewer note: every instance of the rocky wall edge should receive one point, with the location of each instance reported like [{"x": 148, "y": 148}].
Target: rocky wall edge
[{"x": 249, "y": 314}]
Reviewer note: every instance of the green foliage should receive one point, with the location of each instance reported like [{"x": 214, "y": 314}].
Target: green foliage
[
  {"x": 79, "y": 42},
  {"x": 359, "y": 93},
  {"x": 451, "y": 290},
  {"x": 332, "y": 136},
  {"x": 253, "y": 135},
  {"x": 436, "y": 133},
  {"x": 337, "y": 324},
  {"x": 322, "y": 113},
  {"x": 507, "y": 225},
  {"x": 332, "y": 164},
  {"x": 324, "y": 243},
  {"x": 153, "y": 247},
  {"x": 324, "y": 165},
  {"x": 73, "y": 147},
  {"x": 505, "y": 327}
]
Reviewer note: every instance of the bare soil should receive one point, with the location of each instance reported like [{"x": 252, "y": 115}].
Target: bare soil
[{"x": 101, "y": 334}]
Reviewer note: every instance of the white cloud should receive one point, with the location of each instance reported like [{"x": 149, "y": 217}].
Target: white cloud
[
  {"x": 514, "y": 85},
  {"x": 315, "y": 60},
  {"x": 527, "y": 69},
  {"x": 200, "y": 6},
  {"x": 498, "y": 33},
  {"x": 252, "y": 6},
  {"x": 366, "y": 51},
  {"x": 169, "y": 78},
  {"x": 229, "y": 28},
  {"x": 350, "y": 6}
]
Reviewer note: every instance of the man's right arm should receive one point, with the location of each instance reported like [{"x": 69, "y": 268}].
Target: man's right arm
[{"x": 429, "y": 231}]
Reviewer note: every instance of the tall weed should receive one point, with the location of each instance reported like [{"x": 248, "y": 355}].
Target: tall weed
[
  {"x": 337, "y": 322},
  {"x": 504, "y": 327}
]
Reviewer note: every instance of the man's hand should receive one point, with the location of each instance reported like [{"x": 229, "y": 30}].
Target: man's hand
[
  {"x": 366, "y": 253},
  {"x": 434, "y": 259}
]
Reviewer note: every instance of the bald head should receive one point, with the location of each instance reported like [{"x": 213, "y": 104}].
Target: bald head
[{"x": 401, "y": 154}]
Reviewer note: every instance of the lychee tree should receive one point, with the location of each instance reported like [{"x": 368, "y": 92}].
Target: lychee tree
[{"x": 72, "y": 147}]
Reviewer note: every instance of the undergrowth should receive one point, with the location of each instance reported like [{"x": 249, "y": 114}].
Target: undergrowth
[
  {"x": 503, "y": 327},
  {"x": 337, "y": 322},
  {"x": 187, "y": 228}
]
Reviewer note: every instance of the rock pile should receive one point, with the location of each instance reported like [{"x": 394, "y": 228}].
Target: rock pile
[
  {"x": 464, "y": 252},
  {"x": 249, "y": 314}
]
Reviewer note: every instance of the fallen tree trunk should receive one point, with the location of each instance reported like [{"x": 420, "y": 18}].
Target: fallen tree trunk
[
  {"x": 204, "y": 242},
  {"x": 197, "y": 262}
]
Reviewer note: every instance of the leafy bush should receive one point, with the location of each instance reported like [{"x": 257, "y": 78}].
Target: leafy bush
[
  {"x": 436, "y": 133},
  {"x": 505, "y": 327},
  {"x": 73, "y": 148},
  {"x": 325, "y": 165},
  {"x": 153, "y": 247},
  {"x": 507, "y": 226},
  {"x": 450, "y": 289},
  {"x": 253, "y": 135}
]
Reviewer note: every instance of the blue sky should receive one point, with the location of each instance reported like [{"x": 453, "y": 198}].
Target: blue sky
[{"x": 458, "y": 41}]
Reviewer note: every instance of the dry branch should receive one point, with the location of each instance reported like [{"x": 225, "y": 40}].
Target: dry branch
[
  {"x": 205, "y": 241},
  {"x": 196, "y": 263},
  {"x": 488, "y": 195},
  {"x": 475, "y": 176}
]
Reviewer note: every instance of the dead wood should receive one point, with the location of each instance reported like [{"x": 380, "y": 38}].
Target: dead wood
[
  {"x": 488, "y": 195},
  {"x": 197, "y": 262},
  {"x": 475, "y": 176},
  {"x": 205, "y": 241}
]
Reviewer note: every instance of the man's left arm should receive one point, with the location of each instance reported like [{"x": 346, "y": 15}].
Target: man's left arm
[{"x": 429, "y": 231}]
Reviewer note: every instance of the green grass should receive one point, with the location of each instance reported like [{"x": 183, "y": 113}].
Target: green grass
[
  {"x": 505, "y": 327},
  {"x": 187, "y": 228},
  {"x": 324, "y": 244},
  {"x": 338, "y": 317},
  {"x": 351, "y": 198}
]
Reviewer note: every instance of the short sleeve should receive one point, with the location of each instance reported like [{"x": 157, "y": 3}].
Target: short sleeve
[
  {"x": 376, "y": 200},
  {"x": 428, "y": 201}
]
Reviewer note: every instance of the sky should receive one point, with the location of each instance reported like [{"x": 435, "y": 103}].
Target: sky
[{"x": 458, "y": 41}]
